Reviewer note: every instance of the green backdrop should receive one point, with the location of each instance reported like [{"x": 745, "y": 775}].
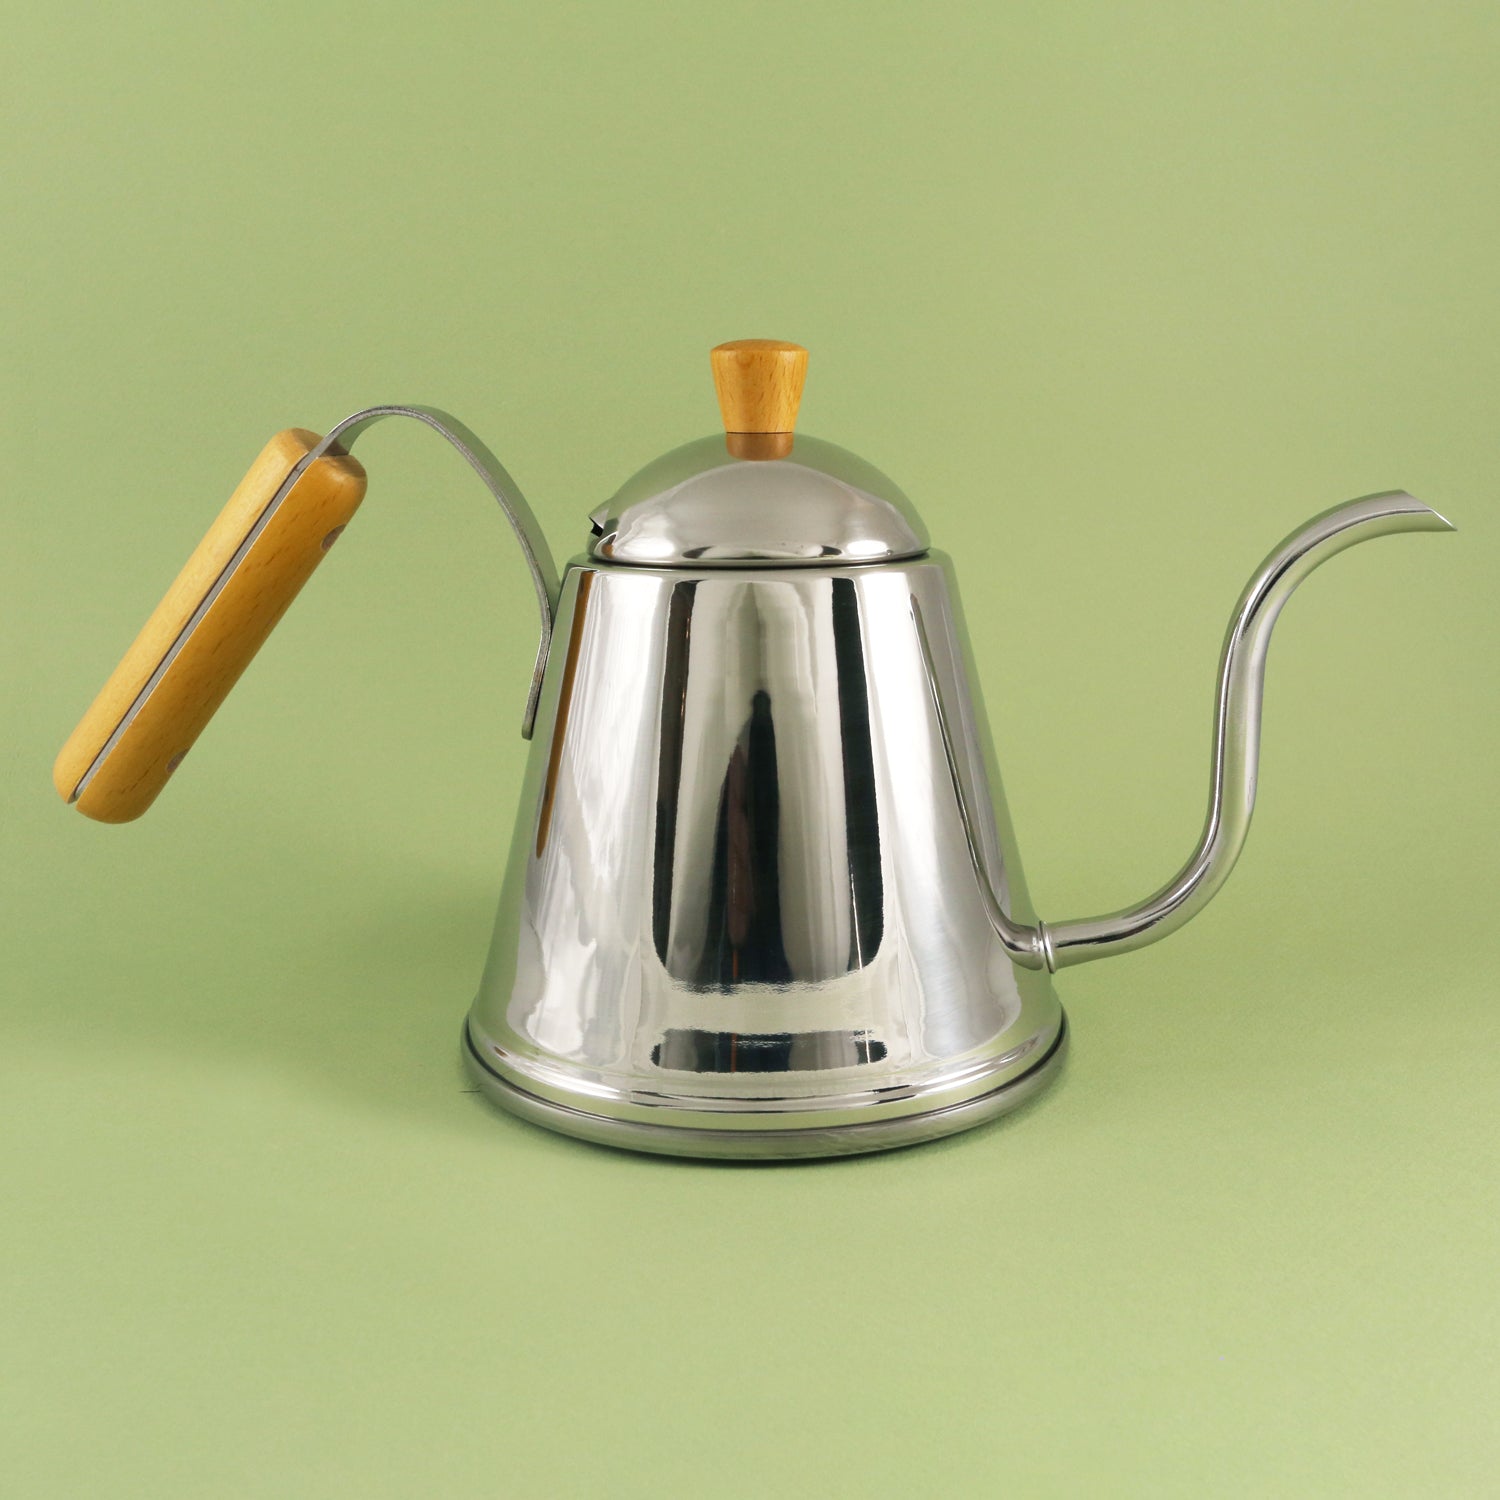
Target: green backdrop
[{"x": 1119, "y": 294}]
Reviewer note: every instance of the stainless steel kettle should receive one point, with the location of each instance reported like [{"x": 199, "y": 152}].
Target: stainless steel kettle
[{"x": 763, "y": 898}]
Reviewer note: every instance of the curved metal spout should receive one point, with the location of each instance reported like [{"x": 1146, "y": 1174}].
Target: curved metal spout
[{"x": 1237, "y": 729}]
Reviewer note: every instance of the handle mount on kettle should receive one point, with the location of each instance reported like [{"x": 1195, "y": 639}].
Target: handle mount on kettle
[
  {"x": 1236, "y": 753},
  {"x": 286, "y": 513}
]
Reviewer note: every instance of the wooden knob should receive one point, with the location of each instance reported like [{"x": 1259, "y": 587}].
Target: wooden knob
[{"x": 759, "y": 382}]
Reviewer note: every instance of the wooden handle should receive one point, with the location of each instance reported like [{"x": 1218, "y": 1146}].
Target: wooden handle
[
  {"x": 759, "y": 382},
  {"x": 117, "y": 781}
]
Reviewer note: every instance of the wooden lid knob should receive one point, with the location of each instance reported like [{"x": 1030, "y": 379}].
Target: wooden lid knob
[{"x": 759, "y": 382}]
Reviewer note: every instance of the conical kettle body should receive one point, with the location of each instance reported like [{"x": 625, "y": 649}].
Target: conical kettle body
[{"x": 740, "y": 915}]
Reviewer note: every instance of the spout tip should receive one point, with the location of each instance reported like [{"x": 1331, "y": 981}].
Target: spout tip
[
  {"x": 1420, "y": 516},
  {"x": 1433, "y": 519}
]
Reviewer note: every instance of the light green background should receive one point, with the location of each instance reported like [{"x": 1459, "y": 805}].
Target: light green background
[{"x": 1119, "y": 294}]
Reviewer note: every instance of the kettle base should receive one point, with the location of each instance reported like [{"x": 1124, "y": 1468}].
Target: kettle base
[{"x": 771, "y": 1143}]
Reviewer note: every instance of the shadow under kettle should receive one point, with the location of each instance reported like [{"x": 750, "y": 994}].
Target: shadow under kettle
[{"x": 763, "y": 897}]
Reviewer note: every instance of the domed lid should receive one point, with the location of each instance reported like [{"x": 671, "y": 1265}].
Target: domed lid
[{"x": 758, "y": 495}]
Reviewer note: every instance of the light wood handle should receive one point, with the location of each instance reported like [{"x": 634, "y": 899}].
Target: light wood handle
[
  {"x": 120, "y": 780},
  {"x": 759, "y": 383}
]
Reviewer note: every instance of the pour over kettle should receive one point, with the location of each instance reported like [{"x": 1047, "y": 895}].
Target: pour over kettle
[{"x": 763, "y": 897}]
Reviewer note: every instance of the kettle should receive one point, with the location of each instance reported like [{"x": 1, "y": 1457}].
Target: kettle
[{"x": 763, "y": 897}]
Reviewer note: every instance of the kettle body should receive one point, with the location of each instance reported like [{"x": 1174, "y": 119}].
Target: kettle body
[{"x": 739, "y": 916}]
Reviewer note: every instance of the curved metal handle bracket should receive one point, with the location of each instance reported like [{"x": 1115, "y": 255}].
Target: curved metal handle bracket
[{"x": 341, "y": 438}]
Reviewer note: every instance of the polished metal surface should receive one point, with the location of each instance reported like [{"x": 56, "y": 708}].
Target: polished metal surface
[
  {"x": 1236, "y": 748},
  {"x": 1023, "y": 942},
  {"x": 771, "y": 1143},
  {"x": 340, "y": 438},
  {"x": 700, "y": 507},
  {"x": 739, "y": 898}
]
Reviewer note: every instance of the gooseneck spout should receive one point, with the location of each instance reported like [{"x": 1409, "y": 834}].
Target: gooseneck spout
[{"x": 1236, "y": 752}]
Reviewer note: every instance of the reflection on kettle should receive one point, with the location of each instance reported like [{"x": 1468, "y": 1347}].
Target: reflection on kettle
[
  {"x": 742, "y": 933},
  {"x": 763, "y": 898}
]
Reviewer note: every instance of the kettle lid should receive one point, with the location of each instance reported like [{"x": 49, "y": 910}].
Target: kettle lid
[{"x": 759, "y": 495}]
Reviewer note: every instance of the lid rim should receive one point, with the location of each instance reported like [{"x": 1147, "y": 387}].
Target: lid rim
[{"x": 752, "y": 564}]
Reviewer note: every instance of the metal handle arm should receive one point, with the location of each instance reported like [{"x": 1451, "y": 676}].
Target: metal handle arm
[{"x": 523, "y": 522}]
